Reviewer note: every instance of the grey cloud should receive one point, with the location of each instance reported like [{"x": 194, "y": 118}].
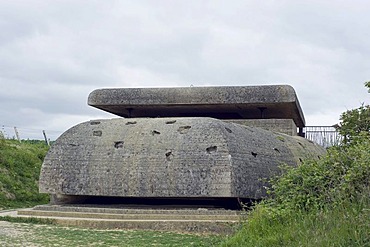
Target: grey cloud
[{"x": 52, "y": 54}]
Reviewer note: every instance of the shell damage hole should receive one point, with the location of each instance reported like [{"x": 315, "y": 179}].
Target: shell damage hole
[
  {"x": 203, "y": 174},
  {"x": 131, "y": 123},
  {"x": 300, "y": 160},
  {"x": 301, "y": 144},
  {"x": 97, "y": 133},
  {"x": 171, "y": 122},
  {"x": 277, "y": 150},
  {"x": 228, "y": 130},
  {"x": 118, "y": 144},
  {"x": 94, "y": 122},
  {"x": 168, "y": 155},
  {"x": 183, "y": 129},
  {"x": 211, "y": 149},
  {"x": 254, "y": 154},
  {"x": 155, "y": 132}
]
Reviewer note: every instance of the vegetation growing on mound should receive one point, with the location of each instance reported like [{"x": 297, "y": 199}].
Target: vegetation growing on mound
[
  {"x": 319, "y": 203},
  {"x": 20, "y": 165}
]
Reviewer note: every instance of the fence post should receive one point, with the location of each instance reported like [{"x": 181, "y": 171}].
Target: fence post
[
  {"x": 45, "y": 137},
  {"x": 17, "y": 134}
]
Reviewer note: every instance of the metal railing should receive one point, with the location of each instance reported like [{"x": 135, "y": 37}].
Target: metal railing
[{"x": 325, "y": 136}]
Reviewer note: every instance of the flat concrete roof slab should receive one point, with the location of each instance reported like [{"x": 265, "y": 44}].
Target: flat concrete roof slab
[{"x": 229, "y": 102}]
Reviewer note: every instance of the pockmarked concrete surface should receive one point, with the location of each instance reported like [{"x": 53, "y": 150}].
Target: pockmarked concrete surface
[{"x": 168, "y": 157}]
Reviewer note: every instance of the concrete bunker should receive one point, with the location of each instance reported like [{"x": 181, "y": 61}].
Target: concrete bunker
[{"x": 157, "y": 155}]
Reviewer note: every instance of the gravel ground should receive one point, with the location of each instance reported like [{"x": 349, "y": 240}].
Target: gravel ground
[
  {"x": 15, "y": 234},
  {"x": 8, "y": 229}
]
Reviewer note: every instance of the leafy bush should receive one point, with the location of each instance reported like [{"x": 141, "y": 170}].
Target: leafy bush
[
  {"x": 319, "y": 203},
  {"x": 355, "y": 124},
  {"x": 341, "y": 175},
  {"x": 344, "y": 225}
]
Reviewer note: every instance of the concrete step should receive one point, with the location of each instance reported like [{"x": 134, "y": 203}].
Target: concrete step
[
  {"x": 130, "y": 216},
  {"x": 189, "y": 226},
  {"x": 118, "y": 209},
  {"x": 178, "y": 220}
]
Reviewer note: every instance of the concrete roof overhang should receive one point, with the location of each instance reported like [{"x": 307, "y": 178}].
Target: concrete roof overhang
[{"x": 228, "y": 102}]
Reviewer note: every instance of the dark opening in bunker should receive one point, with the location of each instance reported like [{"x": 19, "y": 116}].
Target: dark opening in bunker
[{"x": 230, "y": 203}]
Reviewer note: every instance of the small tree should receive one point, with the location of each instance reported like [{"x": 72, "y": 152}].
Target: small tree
[{"x": 355, "y": 123}]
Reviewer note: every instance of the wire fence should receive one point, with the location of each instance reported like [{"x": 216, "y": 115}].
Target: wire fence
[{"x": 21, "y": 133}]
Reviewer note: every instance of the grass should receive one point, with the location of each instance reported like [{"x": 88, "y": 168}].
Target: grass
[
  {"x": 29, "y": 220},
  {"x": 48, "y": 235},
  {"x": 20, "y": 165},
  {"x": 345, "y": 225},
  {"x": 75, "y": 237}
]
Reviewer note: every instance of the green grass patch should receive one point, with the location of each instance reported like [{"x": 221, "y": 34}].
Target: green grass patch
[
  {"x": 20, "y": 165},
  {"x": 28, "y": 220},
  {"x": 50, "y": 235},
  {"x": 79, "y": 237}
]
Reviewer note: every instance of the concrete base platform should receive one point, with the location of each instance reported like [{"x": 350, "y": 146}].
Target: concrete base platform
[{"x": 214, "y": 221}]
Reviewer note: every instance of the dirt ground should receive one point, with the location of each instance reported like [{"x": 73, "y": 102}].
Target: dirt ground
[{"x": 16, "y": 234}]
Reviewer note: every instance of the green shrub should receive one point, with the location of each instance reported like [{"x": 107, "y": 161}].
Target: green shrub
[
  {"x": 341, "y": 175},
  {"x": 344, "y": 225},
  {"x": 355, "y": 123},
  {"x": 319, "y": 203}
]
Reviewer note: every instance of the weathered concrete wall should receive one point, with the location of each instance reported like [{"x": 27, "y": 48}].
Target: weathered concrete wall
[
  {"x": 167, "y": 157},
  {"x": 285, "y": 126}
]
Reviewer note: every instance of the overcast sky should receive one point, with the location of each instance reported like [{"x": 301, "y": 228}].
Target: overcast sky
[{"x": 54, "y": 53}]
